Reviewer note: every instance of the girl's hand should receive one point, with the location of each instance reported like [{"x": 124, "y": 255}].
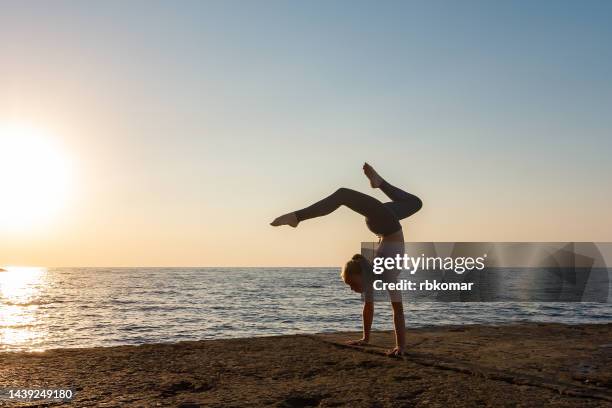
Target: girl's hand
[
  {"x": 396, "y": 352},
  {"x": 360, "y": 342}
]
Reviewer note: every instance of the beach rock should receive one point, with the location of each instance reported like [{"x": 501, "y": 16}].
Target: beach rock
[
  {"x": 519, "y": 365},
  {"x": 301, "y": 401}
]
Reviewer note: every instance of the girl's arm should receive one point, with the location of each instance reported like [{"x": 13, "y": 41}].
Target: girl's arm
[
  {"x": 400, "y": 328},
  {"x": 367, "y": 316}
]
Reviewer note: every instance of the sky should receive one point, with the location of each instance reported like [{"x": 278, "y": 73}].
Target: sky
[{"x": 190, "y": 125}]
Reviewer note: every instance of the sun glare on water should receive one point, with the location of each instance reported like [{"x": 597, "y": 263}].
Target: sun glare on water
[
  {"x": 20, "y": 290},
  {"x": 35, "y": 177}
]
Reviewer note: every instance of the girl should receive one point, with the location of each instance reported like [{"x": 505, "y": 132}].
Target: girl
[{"x": 383, "y": 220}]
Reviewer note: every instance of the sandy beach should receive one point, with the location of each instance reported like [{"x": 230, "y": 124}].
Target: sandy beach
[{"x": 515, "y": 365}]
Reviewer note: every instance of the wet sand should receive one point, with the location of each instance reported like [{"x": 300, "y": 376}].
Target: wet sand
[{"x": 521, "y": 365}]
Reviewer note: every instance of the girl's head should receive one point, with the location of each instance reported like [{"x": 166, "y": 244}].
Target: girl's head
[{"x": 352, "y": 273}]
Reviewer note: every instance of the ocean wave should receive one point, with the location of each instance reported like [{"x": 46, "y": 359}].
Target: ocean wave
[
  {"x": 30, "y": 303},
  {"x": 18, "y": 326},
  {"x": 90, "y": 307}
]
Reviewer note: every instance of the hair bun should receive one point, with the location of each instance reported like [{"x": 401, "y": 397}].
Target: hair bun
[{"x": 357, "y": 257}]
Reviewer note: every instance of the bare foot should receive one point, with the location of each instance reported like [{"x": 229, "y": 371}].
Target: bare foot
[
  {"x": 375, "y": 179},
  {"x": 360, "y": 342},
  {"x": 396, "y": 352},
  {"x": 287, "y": 219}
]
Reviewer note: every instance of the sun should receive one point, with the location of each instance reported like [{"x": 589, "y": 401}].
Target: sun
[{"x": 35, "y": 177}]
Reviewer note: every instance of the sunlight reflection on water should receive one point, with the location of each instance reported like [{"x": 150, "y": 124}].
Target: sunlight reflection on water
[{"x": 20, "y": 291}]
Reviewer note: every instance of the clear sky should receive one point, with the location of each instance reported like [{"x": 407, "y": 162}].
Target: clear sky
[{"x": 189, "y": 126}]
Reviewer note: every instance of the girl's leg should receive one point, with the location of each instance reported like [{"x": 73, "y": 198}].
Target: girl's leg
[
  {"x": 361, "y": 203},
  {"x": 403, "y": 204},
  {"x": 396, "y": 194}
]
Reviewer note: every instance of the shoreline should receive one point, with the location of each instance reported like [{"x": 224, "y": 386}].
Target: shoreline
[
  {"x": 409, "y": 330},
  {"x": 413, "y": 329},
  {"x": 542, "y": 364}
]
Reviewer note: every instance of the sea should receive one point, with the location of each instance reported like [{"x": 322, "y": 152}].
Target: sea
[{"x": 48, "y": 308}]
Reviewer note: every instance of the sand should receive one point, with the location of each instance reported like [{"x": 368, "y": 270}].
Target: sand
[{"x": 521, "y": 365}]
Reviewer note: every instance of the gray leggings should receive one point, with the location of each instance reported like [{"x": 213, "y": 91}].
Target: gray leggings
[{"x": 381, "y": 219}]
